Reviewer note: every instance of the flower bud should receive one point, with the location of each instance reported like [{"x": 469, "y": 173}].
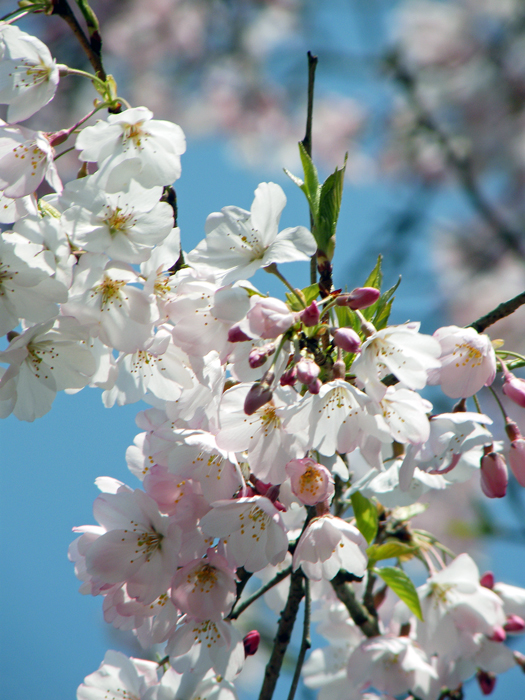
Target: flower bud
[
  {"x": 315, "y": 386},
  {"x": 347, "y": 339},
  {"x": 487, "y": 580},
  {"x": 251, "y": 643},
  {"x": 310, "y": 316},
  {"x": 498, "y": 635},
  {"x": 494, "y": 474},
  {"x": 307, "y": 371},
  {"x": 517, "y": 460},
  {"x": 311, "y": 482},
  {"x": 514, "y": 388},
  {"x": 486, "y": 681},
  {"x": 514, "y": 623},
  {"x": 289, "y": 377},
  {"x": 258, "y": 356},
  {"x": 259, "y": 394},
  {"x": 359, "y": 298},
  {"x": 236, "y": 335}
]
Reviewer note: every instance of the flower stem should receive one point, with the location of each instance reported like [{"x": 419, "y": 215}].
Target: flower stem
[
  {"x": 272, "y": 269},
  {"x": 358, "y": 612},
  {"x": 502, "y": 311}
]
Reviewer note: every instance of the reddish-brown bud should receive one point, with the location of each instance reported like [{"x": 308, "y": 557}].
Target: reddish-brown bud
[
  {"x": 486, "y": 681},
  {"x": 359, "y": 298},
  {"x": 251, "y": 643},
  {"x": 310, "y": 316}
]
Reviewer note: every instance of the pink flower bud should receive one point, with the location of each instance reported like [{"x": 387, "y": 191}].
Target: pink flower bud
[
  {"x": 236, "y": 335},
  {"x": 514, "y": 388},
  {"x": 517, "y": 460},
  {"x": 498, "y": 635},
  {"x": 512, "y": 430},
  {"x": 259, "y": 394},
  {"x": 486, "y": 681},
  {"x": 359, "y": 298},
  {"x": 289, "y": 377},
  {"x": 487, "y": 580},
  {"x": 310, "y": 316},
  {"x": 311, "y": 482},
  {"x": 494, "y": 474},
  {"x": 307, "y": 371},
  {"x": 315, "y": 386},
  {"x": 514, "y": 623},
  {"x": 251, "y": 643},
  {"x": 258, "y": 356},
  {"x": 347, "y": 339}
]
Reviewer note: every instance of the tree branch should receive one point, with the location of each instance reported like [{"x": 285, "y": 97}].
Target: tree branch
[
  {"x": 306, "y": 642},
  {"x": 503, "y": 310},
  {"x": 358, "y": 612},
  {"x": 62, "y": 9},
  {"x": 284, "y": 633},
  {"x": 307, "y": 142}
]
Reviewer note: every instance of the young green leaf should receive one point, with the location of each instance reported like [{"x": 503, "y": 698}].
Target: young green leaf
[
  {"x": 375, "y": 278},
  {"x": 388, "y": 550},
  {"x": 329, "y": 207},
  {"x": 399, "y": 582},
  {"x": 365, "y": 515},
  {"x": 311, "y": 181}
]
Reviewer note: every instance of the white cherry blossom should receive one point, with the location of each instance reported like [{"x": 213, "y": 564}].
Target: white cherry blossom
[
  {"x": 238, "y": 242},
  {"x": 28, "y": 74},
  {"x": 26, "y": 158},
  {"x": 133, "y": 145},
  {"x": 119, "y": 678}
]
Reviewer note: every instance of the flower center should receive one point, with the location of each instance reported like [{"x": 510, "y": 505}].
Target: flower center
[
  {"x": 204, "y": 578},
  {"x": 467, "y": 354},
  {"x": 109, "y": 291},
  {"x": 118, "y": 220}
]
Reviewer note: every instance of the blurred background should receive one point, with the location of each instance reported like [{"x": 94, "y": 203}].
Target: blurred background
[{"x": 427, "y": 97}]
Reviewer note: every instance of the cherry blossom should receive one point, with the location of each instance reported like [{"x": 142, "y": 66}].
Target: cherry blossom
[
  {"x": 119, "y": 678},
  {"x": 238, "y": 242},
  {"x": 26, "y": 158},
  {"x": 28, "y": 74}
]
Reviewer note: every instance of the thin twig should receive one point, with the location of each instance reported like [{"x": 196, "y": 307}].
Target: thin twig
[
  {"x": 307, "y": 142},
  {"x": 283, "y": 635},
  {"x": 306, "y": 642},
  {"x": 62, "y": 9},
  {"x": 264, "y": 589},
  {"x": 502, "y": 311}
]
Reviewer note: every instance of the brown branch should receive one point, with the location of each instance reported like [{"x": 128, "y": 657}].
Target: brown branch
[
  {"x": 306, "y": 642},
  {"x": 284, "y": 633},
  {"x": 502, "y": 311},
  {"x": 307, "y": 142},
  {"x": 358, "y": 612}
]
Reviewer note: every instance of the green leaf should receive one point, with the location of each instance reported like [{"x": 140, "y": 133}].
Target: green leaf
[
  {"x": 365, "y": 515},
  {"x": 311, "y": 181},
  {"x": 375, "y": 278},
  {"x": 383, "y": 307},
  {"x": 329, "y": 207},
  {"x": 311, "y": 293},
  {"x": 404, "y": 513},
  {"x": 399, "y": 582},
  {"x": 293, "y": 302},
  {"x": 388, "y": 550},
  {"x": 347, "y": 318}
]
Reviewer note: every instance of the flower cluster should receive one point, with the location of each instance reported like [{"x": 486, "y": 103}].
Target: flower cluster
[{"x": 281, "y": 435}]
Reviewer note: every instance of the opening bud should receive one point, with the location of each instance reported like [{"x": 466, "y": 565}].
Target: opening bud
[
  {"x": 513, "y": 387},
  {"x": 315, "y": 386},
  {"x": 517, "y": 460},
  {"x": 289, "y": 377},
  {"x": 258, "y": 356},
  {"x": 307, "y": 371},
  {"x": 310, "y": 316},
  {"x": 259, "y": 394}
]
